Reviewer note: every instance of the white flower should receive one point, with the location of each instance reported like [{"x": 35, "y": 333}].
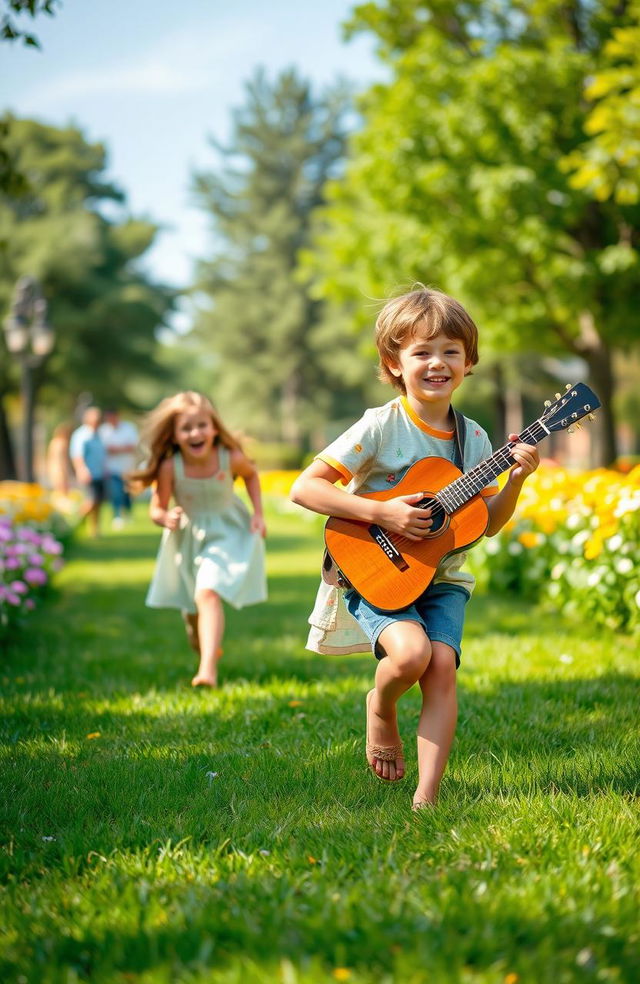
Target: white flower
[
  {"x": 614, "y": 542},
  {"x": 565, "y": 658},
  {"x": 637, "y": 599},
  {"x": 594, "y": 578},
  {"x": 515, "y": 548},
  {"x": 624, "y": 565},
  {"x": 211, "y": 776},
  {"x": 580, "y": 538},
  {"x": 48, "y": 838},
  {"x": 557, "y": 571},
  {"x": 572, "y": 521}
]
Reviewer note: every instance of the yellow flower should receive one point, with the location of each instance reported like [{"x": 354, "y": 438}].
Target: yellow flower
[
  {"x": 529, "y": 539},
  {"x": 342, "y": 973},
  {"x": 593, "y": 547},
  {"x": 92, "y": 735}
]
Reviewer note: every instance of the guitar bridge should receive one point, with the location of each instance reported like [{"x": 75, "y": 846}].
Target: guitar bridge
[{"x": 388, "y": 547}]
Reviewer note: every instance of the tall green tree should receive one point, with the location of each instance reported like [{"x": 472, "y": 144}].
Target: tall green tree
[
  {"x": 261, "y": 327},
  {"x": 463, "y": 176},
  {"x": 68, "y": 227}
]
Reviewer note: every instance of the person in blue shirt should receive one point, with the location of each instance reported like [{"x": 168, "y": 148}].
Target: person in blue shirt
[{"x": 89, "y": 459}]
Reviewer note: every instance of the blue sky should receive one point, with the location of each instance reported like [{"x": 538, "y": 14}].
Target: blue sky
[{"x": 152, "y": 78}]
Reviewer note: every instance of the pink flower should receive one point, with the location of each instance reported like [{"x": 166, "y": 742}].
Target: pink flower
[
  {"x": 11, "y": 598},
  {"x": 36, "y": 559},
  {"x": 29, "y": 604},
  {"x": 35, "y": 575},
  {"x": 19, "y": 587},
  {"x": 11, "y": 564}
]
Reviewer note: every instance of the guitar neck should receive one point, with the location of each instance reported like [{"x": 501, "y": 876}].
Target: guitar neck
[{"x": 458, "y": 492}]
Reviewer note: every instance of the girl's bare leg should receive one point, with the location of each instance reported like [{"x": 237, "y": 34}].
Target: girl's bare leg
[
  {"x": 191, "y": 626},
  {"x": 408, "y": 651},
  {"x": 210, "y": 628},
  {"x": 437, "y": 723}
]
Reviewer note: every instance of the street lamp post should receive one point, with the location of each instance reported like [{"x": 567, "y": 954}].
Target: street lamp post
[{"x": 29, "y": 337}]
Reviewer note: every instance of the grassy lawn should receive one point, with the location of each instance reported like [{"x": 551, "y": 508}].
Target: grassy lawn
[{"x": 155, "y": 834}]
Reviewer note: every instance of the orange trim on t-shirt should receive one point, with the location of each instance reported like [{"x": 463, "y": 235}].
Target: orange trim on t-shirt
[
  {"x": 339, "y": 467},
  {"x": 443, "y": 435}
]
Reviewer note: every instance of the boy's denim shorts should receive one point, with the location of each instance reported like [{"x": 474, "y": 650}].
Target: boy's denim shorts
[{"x": 439, "y": 610}]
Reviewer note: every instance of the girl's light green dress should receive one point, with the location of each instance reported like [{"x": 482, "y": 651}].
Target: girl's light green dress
[{"x": 213, "y": 548}]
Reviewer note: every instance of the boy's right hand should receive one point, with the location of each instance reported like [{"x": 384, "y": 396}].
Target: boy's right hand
[
  {"x": 173, "y": 517},
  {"x": 401, "y": 516}
]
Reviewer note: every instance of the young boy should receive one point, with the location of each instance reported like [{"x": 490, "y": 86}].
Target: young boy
[{"x": 427, "y": 344}]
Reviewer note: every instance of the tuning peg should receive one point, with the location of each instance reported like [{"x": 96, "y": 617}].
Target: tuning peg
[
  {"x": 547, "y": 403},
  {"x": 567, "y": 386},
  {"x": 558, "y": 395}
]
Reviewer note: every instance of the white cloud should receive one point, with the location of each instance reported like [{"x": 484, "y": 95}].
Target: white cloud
[{"x": 177, "y": 64}]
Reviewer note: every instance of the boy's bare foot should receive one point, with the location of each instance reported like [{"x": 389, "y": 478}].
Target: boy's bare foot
[
  {"x": 422, "y": 804},
  {"x": 383, "y": 747}
]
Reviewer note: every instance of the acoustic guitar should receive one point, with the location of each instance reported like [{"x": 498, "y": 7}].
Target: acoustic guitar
[{"x": 389, "y": 570}]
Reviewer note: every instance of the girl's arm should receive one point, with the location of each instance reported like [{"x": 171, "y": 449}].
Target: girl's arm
[
  {"x": 315, "y": 489},
  {"x": 243, "y": 468},
  {"x": 161, "y": 497},
  {"x": 502, "y": 505}
]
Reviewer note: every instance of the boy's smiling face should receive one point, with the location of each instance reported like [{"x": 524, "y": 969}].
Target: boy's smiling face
[{"x": 431, "y": 368}]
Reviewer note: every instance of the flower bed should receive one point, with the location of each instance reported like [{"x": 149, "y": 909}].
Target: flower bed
[
  {"x": 31, "y": 547},
  {"x": 573, "y": 543}
]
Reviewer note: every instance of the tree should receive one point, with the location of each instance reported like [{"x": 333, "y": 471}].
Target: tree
[
  {"x": 9, "y": 27},
  {"x": 261, "y": 328},
  {"x": 461, "y": 176},
  {"x": 68, "y": 228}
]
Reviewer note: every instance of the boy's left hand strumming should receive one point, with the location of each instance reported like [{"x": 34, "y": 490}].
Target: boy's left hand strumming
[{"x": 527, "y": 458}]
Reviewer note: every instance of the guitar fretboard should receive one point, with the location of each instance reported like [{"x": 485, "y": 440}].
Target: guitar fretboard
[{"x": 452, "y": 496}]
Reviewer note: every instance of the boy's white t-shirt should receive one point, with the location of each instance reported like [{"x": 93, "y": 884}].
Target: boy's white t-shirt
[{"x": 372, "y": 455}]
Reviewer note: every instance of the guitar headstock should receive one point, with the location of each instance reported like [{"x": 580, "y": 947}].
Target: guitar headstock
[{"x": 577, "y": 402}]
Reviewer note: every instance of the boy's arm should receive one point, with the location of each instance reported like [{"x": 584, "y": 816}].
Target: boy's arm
[
  {"x": 315, "y": 489},
  {"x": 502, "y": 505}
]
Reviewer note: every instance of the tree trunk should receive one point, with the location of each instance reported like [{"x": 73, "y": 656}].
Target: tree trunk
[
  {"x": 597, "y": 355},
  {"x": 7, "y": 457}
]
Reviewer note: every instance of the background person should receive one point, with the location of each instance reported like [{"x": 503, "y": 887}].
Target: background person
[
  {"x": 120, "y": 438},
  {"x": 89, "y": 459},
  {"x": 59, "y": 471}
]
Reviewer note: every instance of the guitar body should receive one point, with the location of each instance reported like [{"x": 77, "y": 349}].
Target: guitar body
[{"x": 387, "y": 569}]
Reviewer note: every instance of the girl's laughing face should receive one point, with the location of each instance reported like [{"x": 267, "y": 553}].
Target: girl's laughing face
[{"x": 194, "y": 433}]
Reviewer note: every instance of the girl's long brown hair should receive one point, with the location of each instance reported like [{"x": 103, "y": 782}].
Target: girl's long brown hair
[{"x": 157, "y": 439}]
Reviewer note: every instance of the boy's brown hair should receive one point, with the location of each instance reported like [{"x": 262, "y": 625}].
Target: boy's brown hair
[{"x": 427, "y": 308}]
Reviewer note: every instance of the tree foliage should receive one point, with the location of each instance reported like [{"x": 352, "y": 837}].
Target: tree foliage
[
  {"x": 68, "y": 228},
  {"x": 464, "y": 176},
  {"x": 12, "y": 30},
  {"x": 262, "y": 329}
]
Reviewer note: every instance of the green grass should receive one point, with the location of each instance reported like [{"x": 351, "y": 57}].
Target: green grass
[{"x": 238, "y": 836}]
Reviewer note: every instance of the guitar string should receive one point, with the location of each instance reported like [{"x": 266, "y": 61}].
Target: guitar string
[{"x": 482, "y": 473}]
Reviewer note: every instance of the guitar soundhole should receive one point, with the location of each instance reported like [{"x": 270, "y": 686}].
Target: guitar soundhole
[{"x": 439, "y": 518}]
